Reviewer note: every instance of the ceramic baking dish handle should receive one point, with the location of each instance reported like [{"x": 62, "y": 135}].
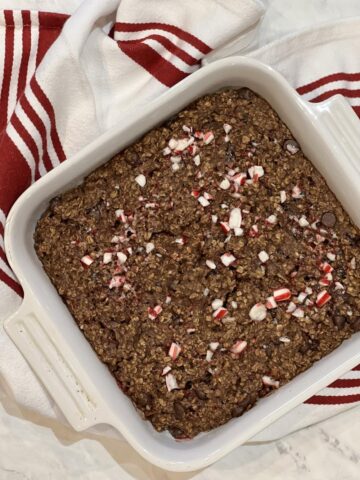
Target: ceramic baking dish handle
[
  {"x": 341, "y": 122},
  {"x": 53, "y": 365}
]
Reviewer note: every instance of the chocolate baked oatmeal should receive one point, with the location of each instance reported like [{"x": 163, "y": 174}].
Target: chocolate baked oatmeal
[{"x": 207, "y": 264}]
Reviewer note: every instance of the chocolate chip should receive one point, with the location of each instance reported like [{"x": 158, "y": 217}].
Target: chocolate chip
[
  {"x": 237, "y": 411},
  {"x": 133, "y": 159},
  {"x": 339, "y": 321},
  {"x": 179, "y": 410},
  {"x": 328, "y": 219},
  {"x": 200, "y": 394},
  {"x": 355, "y": 323},
  {"x": 176, "y": 432},
  {"x": 230, "y": 153},
  {"x": 304, "y": 347},
  {"x": 291, "y": 146}
]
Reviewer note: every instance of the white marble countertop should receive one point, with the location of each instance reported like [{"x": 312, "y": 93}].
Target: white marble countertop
[{"x": 36, "y": 449}]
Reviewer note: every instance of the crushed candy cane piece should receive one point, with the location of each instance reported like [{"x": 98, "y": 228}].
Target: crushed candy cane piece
[
  {"x": 235, "y": 218},
  {"x": 190, "y": 330},
  {"x": 227, "y": 259},
  {"x": 87, "y": 260},
  {"x": 282, "y": 196},
  {"x": 195, "y": 193},
  {"x": 254, "y": 231},
  {"x": 238, "y": 232},
  {"x": 217, "y": 303},
  {"x": 270, "y": 303},
  {"x": 209, "y": 355},
  {"x": 258, "y": 312},
  {"x": 298, "y": 313},
  {"x": 213, "y": 346},
  {"x": 301, "y": 297},
  {"x": 284, "y": 340},
  {"x": 303, "y": 222},
  {"x": 225, "y": 227},
  {"x": 239, "y": 178},
  {"x": 149, "y": 247},
  {"x": 175, "y": 167},
  {"x": 322, "y": 298},
  {"x": 174, "y": 350},
  {"x": 210, "y": 264},
  {"x": 166, "y": 151},
  {"x": 214, "y": 218},
  {"x": 173, "y": 143},
  {"x": 270, "y": 382},
  {"x": 107, "y": 257},
  {"x": 282, "y": 294},
  {"x": 238, "y": 347},
  {"x": 166, "y": 370},
  {"x": 116, "y": 282},
  {"x": 141, "y": 180},
  {"x": 220, "y": 313},
  {"x": 227, "y": 138},
  {"x": 263, "y": 256},
  {"x": 122, "y": 257},
  {"x": 353, "y": 263},
  {"x": 227, "y": 128},
  {"x": 180, "y": 241},
  {"x": 171, "y": 382},
  {"x": 326, "y": 267},
  {"x": 308, "y": 290},
  {"x": 291, "y": 307},
  {"x": 186, "y": 129},
  {"x": 154, "y": 312},
  {"x": 120, "y": 215},
  {"x": 234, "y": 305},
  {"x": 339, "y": 286},
  {"x": 207, "y": 196},
  {"x": 225, "y": 184},
  {"x": 331, "y": 256},
  {"x": 208, "y": 137},
  {"x": 271, "y": 220},
  {"x": 256, "y": 172},
  {"x": 197, "y": 160},
  {"x": 296, "y": 192},
  {"x": 206, "y": 292},
  {"x": 203, "y": 201},
  {"x": 175, "y": 159}
]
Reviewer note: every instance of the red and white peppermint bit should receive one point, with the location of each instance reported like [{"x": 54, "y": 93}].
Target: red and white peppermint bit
[
  {"x": 254, "y": 231},
  {"x": 203, "y": 201},
  {"x": 206, "y": 292},
  {"x": 258, "y": 312},
  {"x": 193, "y": 150},
  {"x": 314, "y": 225},
  {"x": 175, "y": 167},
  {"x": 234, "y": 305},
  {"x": 227, "y": 128},
  {"x": 154, "y": 312},
  {"x": 116, "y": 282},
  {"x": 195, "y": 193},
  {"x": 183, "y": 143},
  {"x": 122, "y": 257},
  {"x": 166, "y": 370},
  {"x": 173, "y": 143},
  {"x": 296, "y": 192},
  {"x": 227, "y": 259},
  {"x": 166, "y": 151},
  {"x": 210, "y": 264},
  {"x": 168, "y": 300},
  {"x": 174, "y": 350},
  {"x": 127, "y": 286},
  {"x": 256, "y": 172},
  {"x": 308, "y": 290},
  {"x": 217, "y": 303},
  {"x": 309, "y": 303},
  {"x": 239, "y": 178},
  {"x": 263, "y": 256},
  {"x": 129, "y": 250},
  {"x": 326, "y": 267},
  {"x": 238, "y": 347},
  {"x": 213, "y": 346},
  {"x": 120, "y": 215},
  {"x": 353, "y": 263},
  {"x": 339, "y": 286},
  {"x": 303, "y": 222},
  {"x": 214, "y": 218},
  {"x": 224, "y": 206},
  {"x": 291, "y": 307},
  {"x": 282, "y": 294},
  {"x": 270, "y": 303},
  {"x": 209, "y": 355},
  {"x": 235, "y": 218},
  {"x": 324, "y": 282},
  {"x": 331, "y": 256},
  {"x": 301, "y": 297},
  {"x": 319, "y": 238},
  {"x": 141, "y": 180},
  {"x": 238, "y": 232},
  {"x": 282, "y": 196},
  {"x": 171, "y": 382},
  {"x": 208, "y": 196},
  {"x": 180, "y": 241},
  {"x": 322, "y": 298},
  {"x": 190, "y": 330},
  {"x": 151, "y": 205},
  {"x": 87, "y": 260},
  {"x": 107, "y": 257},
  {"x": 186, "y": 129},
  {"x": 270, "y": 382},
  {"x": 271, "y": 220},
  {"x": 284, "y": 340},
  {"x": 198, "y": 134},
  {"x": 298, "y": 313},
  {"x": 175, "y": 159},
  {"x": 149, "y": 247},
  {"x": 197, "y": 160},
  {"x": 208, "y": 137},
  {"x": 225, "y": 184},
  {"x": 225, "y": 227},
  {"x": 220, "y": 313},
  {"x": 227, "y": 138}
]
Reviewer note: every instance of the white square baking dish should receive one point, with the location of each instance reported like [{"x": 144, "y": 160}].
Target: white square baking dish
[{"x": 47, "y": 335}]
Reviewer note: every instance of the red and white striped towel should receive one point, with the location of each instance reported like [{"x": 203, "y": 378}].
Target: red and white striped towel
[{"x": 65, "y": 83}]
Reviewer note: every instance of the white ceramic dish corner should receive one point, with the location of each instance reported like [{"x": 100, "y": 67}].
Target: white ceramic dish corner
[{"x": 47, "y": 335}]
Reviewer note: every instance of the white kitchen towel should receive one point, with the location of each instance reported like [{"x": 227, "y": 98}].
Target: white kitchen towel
[{"x": 108, "y": 60}]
